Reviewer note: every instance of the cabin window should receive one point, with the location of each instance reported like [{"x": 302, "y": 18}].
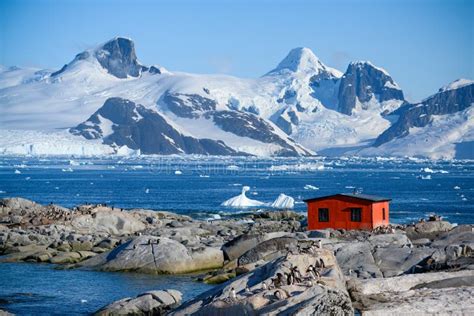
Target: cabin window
[
  {"x": 323, "y": 214},
  {"x": 383, "y": 213},
  {"x": 356, "y": 214}
]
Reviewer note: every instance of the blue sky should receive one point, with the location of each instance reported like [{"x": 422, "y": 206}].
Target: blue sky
[{"x": 422, "y": 44}]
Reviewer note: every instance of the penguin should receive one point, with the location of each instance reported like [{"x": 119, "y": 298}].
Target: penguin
[
  {"x": 290, "y": 280},
  {"x": 296, "y": 274},
  {"x": 232, "y": 294},
  {"x": 264, "y": 286},
  {"x": 321, "y": 262},
  {"x": 279, "y": 280},
  {"x": 278, "y": 295},
  {"x": 247, "y": 290}
]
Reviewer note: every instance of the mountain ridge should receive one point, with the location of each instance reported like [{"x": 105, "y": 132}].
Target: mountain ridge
[{"x": 298, "y": 108}]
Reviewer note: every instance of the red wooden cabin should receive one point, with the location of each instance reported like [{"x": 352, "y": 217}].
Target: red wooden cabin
[{"x": 348, "y": 211}]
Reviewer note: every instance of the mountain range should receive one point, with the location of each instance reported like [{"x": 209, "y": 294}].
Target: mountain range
[{"x": 105, "y": 101}]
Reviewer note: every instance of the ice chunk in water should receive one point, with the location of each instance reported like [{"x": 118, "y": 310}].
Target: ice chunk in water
[
  {"x": 241, "y": 200},
  {"x": 283, "y": 201}
]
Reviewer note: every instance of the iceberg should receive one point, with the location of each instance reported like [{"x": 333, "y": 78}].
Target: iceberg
[
  {"x": 241, "y": 200},
  {"x": 283, "y": 201}
]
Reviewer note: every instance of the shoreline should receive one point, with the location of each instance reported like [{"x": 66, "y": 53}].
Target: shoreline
[{"x": 230, "y": 250}]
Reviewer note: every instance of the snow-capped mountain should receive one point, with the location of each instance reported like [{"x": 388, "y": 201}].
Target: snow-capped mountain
[
  {"x": 105, "y": 95},
  {"x": 441, "y": 126}
]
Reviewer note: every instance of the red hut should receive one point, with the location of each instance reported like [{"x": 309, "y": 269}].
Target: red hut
[{"x": 347, "y": 211}]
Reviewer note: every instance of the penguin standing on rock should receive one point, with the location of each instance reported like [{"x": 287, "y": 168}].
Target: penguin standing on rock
[
  {"x": 296, "y": 274},
  {"x": 289, "y": 278},
  {"x": 278, "y": 295},
  {"x": 233, "y": 295},
  {"x": 321, "y": 262}
]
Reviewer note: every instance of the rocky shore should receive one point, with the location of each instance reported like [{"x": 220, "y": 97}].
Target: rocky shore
[{"x": 262, "y": 262}]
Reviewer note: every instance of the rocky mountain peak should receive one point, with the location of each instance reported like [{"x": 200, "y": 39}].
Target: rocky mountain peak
[
  {"x": 303, "y": 60},
  {"x": 119, "y": 58},
  {"x": 363, "y": 81}
]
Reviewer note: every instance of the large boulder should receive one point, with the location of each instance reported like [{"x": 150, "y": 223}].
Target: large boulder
[
  {"x": 149, "y": 254},
  {"x": 243, "y": 243},
  {"x": 355, "y": 258},
  {"x": 440, "y": 293},
  {"x": 326, "y": 296},
  {"x": 149, "y": 303},
  {"x": 393, "y": 261},
  {"x": 433, "y": 226},
  {"x": 105, "y": 220},
  {"x": 268, "y": 250}
]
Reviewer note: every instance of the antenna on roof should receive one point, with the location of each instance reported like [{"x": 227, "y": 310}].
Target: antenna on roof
[{"x": 357, "y": 191}]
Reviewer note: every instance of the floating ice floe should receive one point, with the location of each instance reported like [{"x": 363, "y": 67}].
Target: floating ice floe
[
  {"x": 67, "y": 170},
  {"x": 232, "y": 167},
  {"x": 428, "y": 177},
  {"x": 17, "y": 171},
  {"x": 298, "y": 167},
  {"x": 204, "y": 176},
  {"x": 283, "y": 201},
  {"x": 178, "y": 172},
  {"x": 427, "y": 170},
  {"x": 241, "y": 200},
  {"x": 2, "y": 192},
  {"x": 147, "y": 191},
  {"x": 310, "y": 187},
  {"x": 74, "y": 163},
  {"x": 457, "y": 188}
]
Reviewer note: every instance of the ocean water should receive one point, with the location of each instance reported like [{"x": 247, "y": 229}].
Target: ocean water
[
  {"x": 197, "y": 186},
  {"x": 40, "y": 289}
]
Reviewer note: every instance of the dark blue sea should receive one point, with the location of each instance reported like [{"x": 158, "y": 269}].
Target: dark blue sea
[{"x": 197, "y": 186}]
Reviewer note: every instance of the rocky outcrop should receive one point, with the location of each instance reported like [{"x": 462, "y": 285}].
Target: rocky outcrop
[
  {"x": 148, "y": 254},
  {"x": 266, "y": 291},
  {"x": 105, "y": 220},
  {"x": 121, "y": 122},
  {"x": 118, "y": 57},
  {"x": 149, "y": 303},
  {"x": 236, "y": 247},
  {"x": 188, "y": 105},
  {"x": 442, "y": 293},
  {"x": 361, "y": 82}
]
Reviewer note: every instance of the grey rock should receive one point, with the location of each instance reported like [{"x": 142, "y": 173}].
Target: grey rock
[
  {"x": 149, "y": 303},
  {"x": 118, "y": 57},
  {"x": 236, "y": 247},
  {"x": 363, "y": 81},
  {"x": 326, "y": 298},
  {"x": 268, "y": 250},
  {"x": 149, "y": 254}
]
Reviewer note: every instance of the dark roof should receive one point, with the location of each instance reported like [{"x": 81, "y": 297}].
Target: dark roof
[{"x": 366, "y": 197}]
